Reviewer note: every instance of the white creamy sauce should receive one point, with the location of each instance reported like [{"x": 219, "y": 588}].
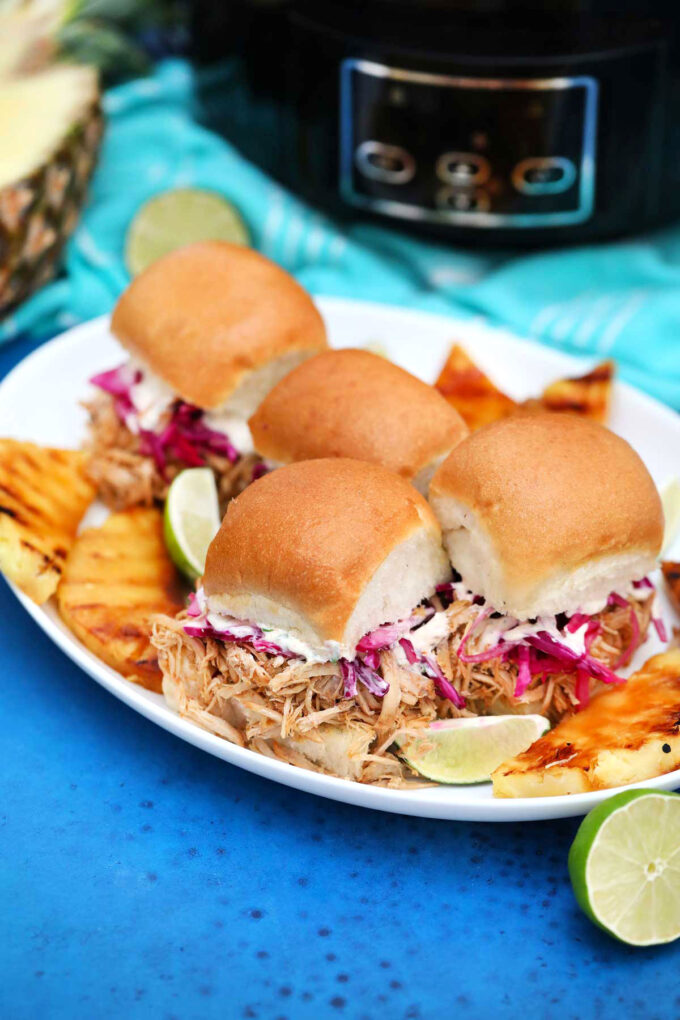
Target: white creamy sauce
[
  {"x": 232, "y": 426},
  {"x": 575, "y": 641},
  {"x": 427, "y": 637},
  {"x": 596, "y": 605},
  {"x": 461, "y": 591},
  {"x": 237, "y": 628},
  {"x": 330, "y": 651},
  {"x": 152, "y": 399},
  {"x": 511, "y": 630},
  {"x": 627, "y": 592},
  {"x": 401, "y": 659}
]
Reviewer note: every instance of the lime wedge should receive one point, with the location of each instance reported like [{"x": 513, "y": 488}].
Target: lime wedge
[
  {"x": 176, "y": 218},
  {"x": 625, "y": 866},
  {"x": 670, "y": 499},
  {"x": 468, "y": 750},
  {"x": 191, "y": 519}
]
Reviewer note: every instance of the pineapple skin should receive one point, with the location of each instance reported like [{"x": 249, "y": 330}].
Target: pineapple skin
[{"x": 39, "y": 213}]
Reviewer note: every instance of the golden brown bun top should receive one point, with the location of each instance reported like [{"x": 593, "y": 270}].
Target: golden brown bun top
[
  {"x": 351, "y": 403},
  {"x": 310, "y": 536},
  {"x": 550, "y": 493},
  {"x": 206, "y": 315}
]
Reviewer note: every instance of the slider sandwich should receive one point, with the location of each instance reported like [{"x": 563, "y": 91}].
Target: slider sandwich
[
  {"x": 209, "y": 329},
  {"x": 329, "y": 626},
  {"x": 351, "y": 403},
  {"x": 552, "y": 524},
  {"x": 313, "y": 636}
]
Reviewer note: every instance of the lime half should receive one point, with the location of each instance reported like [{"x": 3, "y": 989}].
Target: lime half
[
  {"x": 175, "y": 218},
  {"x": 670, "y": 498},
  {"x": 191, "y": 519},
  {"x": 625, "y": 866},
  {"x": 468, "y": 750}
]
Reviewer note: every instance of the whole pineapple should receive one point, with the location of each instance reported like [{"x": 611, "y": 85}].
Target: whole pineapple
[{"x": 50, "y": 129}]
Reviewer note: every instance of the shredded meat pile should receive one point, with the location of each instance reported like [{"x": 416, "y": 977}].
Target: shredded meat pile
[
  {"x": 125, "y": 477},
  {"x": 295, "y": 711},
  {"x": 488, "y": 686}
]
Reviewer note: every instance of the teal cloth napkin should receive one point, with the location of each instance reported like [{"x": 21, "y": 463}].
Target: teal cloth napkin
[{"x": 619, "y": 300}]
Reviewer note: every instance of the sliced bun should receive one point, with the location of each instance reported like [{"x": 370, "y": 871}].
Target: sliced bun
[
  {"x": 351, "y": 403},
  {"x": 326, "y": 550},
  {"x": 218, "y": 322},
  {"x": 547, "y": 513}
]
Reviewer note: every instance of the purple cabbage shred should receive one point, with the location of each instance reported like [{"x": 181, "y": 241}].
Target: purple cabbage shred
[{"x": 186, "y": 438}]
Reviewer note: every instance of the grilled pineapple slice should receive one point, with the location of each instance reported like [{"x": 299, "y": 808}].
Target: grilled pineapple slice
[
  {"x": 624, "y": 736},
  {"x": 588, "y": 395},
  {"x": 43, "y": 496},
  {"x": 671, "y": 575},
  {"x": 116, "y": 578},
  {"x": 471, "y": 392}
]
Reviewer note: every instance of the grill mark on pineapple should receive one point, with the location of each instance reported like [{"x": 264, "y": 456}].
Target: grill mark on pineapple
[
  {"x": 39, "y": 552},
  {"x": 44, "y": 493},
  {"x": 25, "y": 458},
  {"x": 16, "y": 497},
  {"x": 147, "y": 663},
  {"x": 114, "y": 620},
  {"x": 131, "y": 630},
  {"x": 105, "y": 630},
  {"x": 601, "y": 373},
  {"x": 657, "y": 722},
  {"x": 542, "y": 757},
  {"x": 577, "y": 406},
  {"x": 149, "y": 668}
]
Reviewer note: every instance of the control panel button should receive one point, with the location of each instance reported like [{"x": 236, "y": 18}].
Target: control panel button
[
  {"x": 544, "y": 175},
  {"x": 463, "y": 201},
  {"x": 463, "y": 168},
  {"x": 441, "y": 149},
  {"x": 389, "y": 164}
]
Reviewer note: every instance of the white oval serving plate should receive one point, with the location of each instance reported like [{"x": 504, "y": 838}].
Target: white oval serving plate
[{"x": 39, "y": 400}]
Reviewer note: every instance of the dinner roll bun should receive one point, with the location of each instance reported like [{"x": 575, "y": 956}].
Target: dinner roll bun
[
  {"x": 326, "y": 550},
  {"x": 547, "y": 513},
  {"x": 351, "y": 403},
  {"x": 218, "y": 322}
]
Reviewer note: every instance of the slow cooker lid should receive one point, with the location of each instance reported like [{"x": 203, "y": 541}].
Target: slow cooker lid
[
  {"x": 488, "y": 31},
  {"x": 665, "y": 9}
]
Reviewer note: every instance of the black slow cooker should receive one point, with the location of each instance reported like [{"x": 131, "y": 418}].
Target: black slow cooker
[{"x": 504, "y": 121}]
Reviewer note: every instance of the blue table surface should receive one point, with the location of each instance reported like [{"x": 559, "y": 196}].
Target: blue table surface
[{"x": 140, "y": 877}]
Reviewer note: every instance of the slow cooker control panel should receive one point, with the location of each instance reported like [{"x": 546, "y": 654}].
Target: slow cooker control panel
[{"x": 474, "y": 151}]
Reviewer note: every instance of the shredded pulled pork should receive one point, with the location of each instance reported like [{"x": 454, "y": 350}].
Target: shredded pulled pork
[
  {"x": 294, "y": 710},
  {"x": 488, "y": 687},
  {"x": 297, "y": 712},
  {"x": 125, "y": 477}
]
